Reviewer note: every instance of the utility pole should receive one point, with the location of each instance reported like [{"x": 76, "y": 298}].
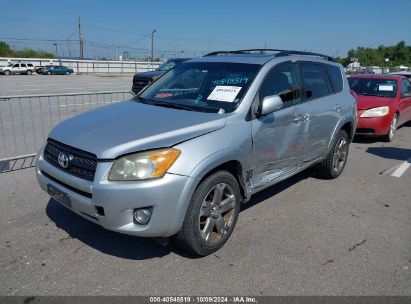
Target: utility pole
[
  {"x": 152, "y": 45},
  {"x": 80, "y": 37}
]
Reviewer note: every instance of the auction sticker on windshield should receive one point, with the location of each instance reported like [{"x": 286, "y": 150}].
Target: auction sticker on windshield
[
  {"x": 224, "y": 93},
  {"x": 385, "y": 88}
]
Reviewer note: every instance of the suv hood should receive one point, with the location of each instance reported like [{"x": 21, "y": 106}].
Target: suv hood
[{"x": 129, "y": 126}]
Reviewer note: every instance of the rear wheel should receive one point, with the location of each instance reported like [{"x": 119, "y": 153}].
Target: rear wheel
[
  {"x": 211, "y": 215},
  {"x": 336, "y": 159},
  {"x": 48, "y": 73},
  {"x": 393, "y": 127}
]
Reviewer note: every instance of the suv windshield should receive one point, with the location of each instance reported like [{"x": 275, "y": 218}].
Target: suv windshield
[
  {"x": 374, "y": 86},
  {"x": 202, "y": 86}
]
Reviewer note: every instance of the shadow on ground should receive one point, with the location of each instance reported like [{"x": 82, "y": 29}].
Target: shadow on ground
[
  {"x": 390, "y": 152},
  {"x": 132, "y": 247}
]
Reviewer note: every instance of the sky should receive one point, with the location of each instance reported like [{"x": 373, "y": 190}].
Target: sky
[{"x": 191, "y": 28}]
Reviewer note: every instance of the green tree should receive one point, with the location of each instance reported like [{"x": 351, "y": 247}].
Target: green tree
[{"x": 6, "y": 51}]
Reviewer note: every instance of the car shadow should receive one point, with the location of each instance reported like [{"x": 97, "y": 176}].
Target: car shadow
[
  {"x": 138, "y": 248},
  {"x": 278, "y": 188},
  {"x": 106, "y": 241},
  {"x": 390, "y": 152}
]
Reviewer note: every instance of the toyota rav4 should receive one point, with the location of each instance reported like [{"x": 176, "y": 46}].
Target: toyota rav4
[{"x": 180, "y": 158}]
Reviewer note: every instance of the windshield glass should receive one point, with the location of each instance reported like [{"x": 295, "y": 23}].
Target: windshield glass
[
  {"x": 10, "y": 64},
  {"x": 202, "y": 86},
  {"x": 374, "y": 86}
]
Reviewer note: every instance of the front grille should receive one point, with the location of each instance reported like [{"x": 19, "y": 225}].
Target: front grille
[
  {"x": 140, "y": 83},
  {"x": 82, "y": 164}
]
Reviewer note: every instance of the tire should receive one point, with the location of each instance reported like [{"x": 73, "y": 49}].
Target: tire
[
  {"x": 7, "y": 72},
  {"x": 391, "y": 131},
  {"x": 334, "y": 164},
  {"x": 207, "y": 225},
  {"x": 48, "y": 73},
  {"x": 29, "y": 72},
  {"x": 67, "y": 73}
]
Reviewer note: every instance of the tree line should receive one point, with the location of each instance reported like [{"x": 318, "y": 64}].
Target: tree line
[
  {"x": 390, "y": 56},
  {"x": 7, "y": 51}
]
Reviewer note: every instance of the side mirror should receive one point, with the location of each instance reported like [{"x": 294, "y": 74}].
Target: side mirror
[{"x": 271, "y": 104}]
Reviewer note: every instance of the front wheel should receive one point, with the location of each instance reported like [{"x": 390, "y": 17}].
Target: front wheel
[
  {"x": 393, "y": 127},
  {"x": 336, "y": 159},
  {"x": 48, "y": 73},
  {"x": 7, "y": 72},
  {"x": 67, "y": 73},
  {"x": 211, "y": 215},
  {"x": 29, "y": 72}
]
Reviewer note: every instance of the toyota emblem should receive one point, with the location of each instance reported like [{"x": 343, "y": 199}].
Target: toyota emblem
[{"x": 64, "y": 160}]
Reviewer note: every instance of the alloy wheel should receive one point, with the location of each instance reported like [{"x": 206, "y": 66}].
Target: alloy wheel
[
  {"x": 340, "y": 154},
  {"x": 217, "y": 213}
]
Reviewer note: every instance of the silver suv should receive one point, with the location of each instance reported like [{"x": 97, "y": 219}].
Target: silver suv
[
  {"x": 17, "y": 68},
  {"x": 180, "y": 158}
]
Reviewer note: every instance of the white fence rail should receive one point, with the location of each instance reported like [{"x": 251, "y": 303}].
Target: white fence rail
[
  {"x": 25, "y": 121},
  {"x": 90, "y": 66}
]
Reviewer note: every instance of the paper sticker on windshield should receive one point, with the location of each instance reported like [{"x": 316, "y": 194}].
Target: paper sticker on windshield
[
  {"x": 386, "y": 88},
  {"x": 224, "y": 93}
]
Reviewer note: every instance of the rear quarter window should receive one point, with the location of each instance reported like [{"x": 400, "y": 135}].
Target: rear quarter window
[{"x": 335, "y": 76}]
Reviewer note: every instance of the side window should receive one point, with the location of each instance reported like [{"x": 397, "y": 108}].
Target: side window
[
  {"x": 283, "y": 81},
  {"x": 23, "y": 65},
  {"x": 315, "y": 83},
  {"x": 335, "y": 76},
  {"x": 16, "y": 65},
  {"x": 405, "y": 87},
  {"x": 29, "y": 65}
]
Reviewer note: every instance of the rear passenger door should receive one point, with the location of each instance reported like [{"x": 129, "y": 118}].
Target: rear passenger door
[{"x": 319, "y": 112}]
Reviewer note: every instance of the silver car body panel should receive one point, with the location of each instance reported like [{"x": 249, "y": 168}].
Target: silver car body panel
[{"x": 130, "y": 126}]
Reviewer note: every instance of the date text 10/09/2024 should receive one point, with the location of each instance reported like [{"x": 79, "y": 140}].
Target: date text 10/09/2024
[{"x": 203, "y": 299}]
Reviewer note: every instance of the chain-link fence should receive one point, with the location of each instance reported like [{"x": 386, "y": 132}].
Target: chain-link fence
[{"x": 25, "y": 121}]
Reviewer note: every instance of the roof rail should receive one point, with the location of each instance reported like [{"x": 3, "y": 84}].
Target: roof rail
[{"x": 278, "y": 53}]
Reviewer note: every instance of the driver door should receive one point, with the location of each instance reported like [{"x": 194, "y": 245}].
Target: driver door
[{"x": 277, "y": 149}]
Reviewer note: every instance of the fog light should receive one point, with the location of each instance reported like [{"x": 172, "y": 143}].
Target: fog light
[{"x": 142, "y": 216}]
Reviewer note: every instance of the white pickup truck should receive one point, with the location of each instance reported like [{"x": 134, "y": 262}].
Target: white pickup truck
[{"x": 17, "y": 68}]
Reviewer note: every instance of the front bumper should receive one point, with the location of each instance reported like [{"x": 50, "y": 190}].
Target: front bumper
[
  {"x": 373, "y": 125},
  {"x": 169, "y": 196}
]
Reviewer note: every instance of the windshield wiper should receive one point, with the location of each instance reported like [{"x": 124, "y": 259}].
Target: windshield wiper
[{"x": 164, "y": 104}]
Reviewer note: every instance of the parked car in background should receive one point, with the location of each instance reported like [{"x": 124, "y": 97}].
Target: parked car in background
[
  {"x": 383, "y": 104},
  {"x": 17, "y": 68},
  {"x": 141, "y": 80},
  {"x": 405, "y": 74},
  {"x": 39, "y": 69},
  {"x": 57, "y": 70},
  {"x": 180, "y": 158}
]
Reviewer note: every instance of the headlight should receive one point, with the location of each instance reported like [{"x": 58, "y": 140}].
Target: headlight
[
  {"x": 376, "y": 112},
  {"x": 143, "y": 166}
]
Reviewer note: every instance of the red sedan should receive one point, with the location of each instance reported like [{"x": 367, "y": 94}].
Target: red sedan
[{"x": 383, "y": 104}]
